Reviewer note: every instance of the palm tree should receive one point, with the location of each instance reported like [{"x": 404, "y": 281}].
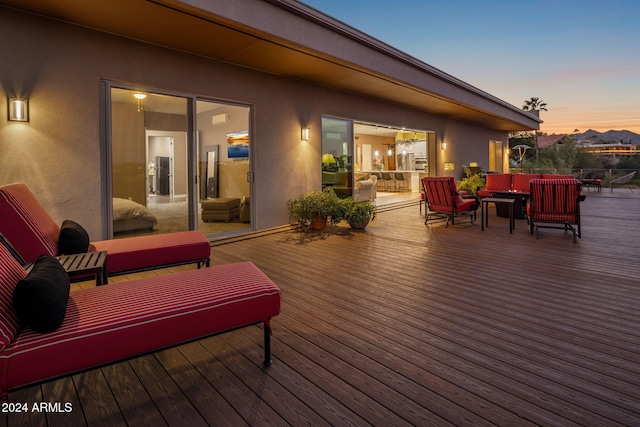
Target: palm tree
[{"x": 535, "y": 104}]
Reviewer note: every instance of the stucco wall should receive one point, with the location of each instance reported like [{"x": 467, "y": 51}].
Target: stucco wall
[{"x": 59, "y": 67}]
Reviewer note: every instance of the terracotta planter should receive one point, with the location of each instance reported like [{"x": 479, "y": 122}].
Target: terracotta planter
[{"x": 320, "y": 223}]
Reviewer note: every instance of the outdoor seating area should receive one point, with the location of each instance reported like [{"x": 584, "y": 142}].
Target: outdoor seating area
[
  {"x": 591, "y": 179},
  {"x": 623, "y": 181},
  {"x": 549, "y": 339}
]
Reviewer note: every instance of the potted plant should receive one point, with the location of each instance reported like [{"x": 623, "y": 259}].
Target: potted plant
[
  {"x": 311, "y": 210},
  {"x": 471, "y": 182},
  {"x": 357, "y": 214}
]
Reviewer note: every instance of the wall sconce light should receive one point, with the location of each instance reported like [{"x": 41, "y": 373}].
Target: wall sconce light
[
  {"x": 305, "y": 134},
  {"x": 18, "y": 110},
  {"x": 443, "y": 145}
]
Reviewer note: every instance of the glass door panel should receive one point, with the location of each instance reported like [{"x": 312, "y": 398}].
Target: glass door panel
[
  {"x": 337, "y": 155},
  {"x": 149, "y": 162},
  {"x": 224, "y": 167}
]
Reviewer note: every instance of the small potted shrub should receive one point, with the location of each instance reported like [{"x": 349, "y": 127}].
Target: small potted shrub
[
  {"x": 312, "y": 209},
  {"x": 471, "y": 182},
  {"x": 357, "y": 214}
]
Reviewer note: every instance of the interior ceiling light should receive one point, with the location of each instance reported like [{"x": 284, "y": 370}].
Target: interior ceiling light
[{"x": 140, "y": 96}]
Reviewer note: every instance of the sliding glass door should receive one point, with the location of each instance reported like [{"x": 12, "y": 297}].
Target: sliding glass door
[
  {"x": 149, "y": 162},
  {"x": 175, "y": 163},
  {"x": 224, "y": 167},
  {"x": 337, "y": 155}
]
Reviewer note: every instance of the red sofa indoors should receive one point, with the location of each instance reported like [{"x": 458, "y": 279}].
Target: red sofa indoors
[
  {"x": 498, "y": 182},
  {"x": 32, "y": 232},
  {"x": 109, "y": 323}
]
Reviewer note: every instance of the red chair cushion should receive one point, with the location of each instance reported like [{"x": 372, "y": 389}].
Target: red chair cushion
[
  {"x": 521, "y": 181},
  {"x": 141, "y": 252},
  {"x": 108, "y": 323},
  {"x": 498, "y": 182},
  {"x": 32, "y": 232},
  {"x": 556, "y": 176},
  {"x": 26, "y": 224},
  {"x": 11, "y": 272},
  {"x": 467, "y": 205},
  {"x": 554, "y": 200}
]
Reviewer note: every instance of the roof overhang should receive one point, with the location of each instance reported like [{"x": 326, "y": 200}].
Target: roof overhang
[{"x": 290, "y": 39}]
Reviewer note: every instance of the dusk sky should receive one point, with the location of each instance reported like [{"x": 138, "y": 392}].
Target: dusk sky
[{"x": 582, "y": 57}]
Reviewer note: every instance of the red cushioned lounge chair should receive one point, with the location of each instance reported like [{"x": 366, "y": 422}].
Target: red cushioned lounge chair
[
  {"x": 444, "y": 201},
  {"x": 29, "y": 228},
  {"x": 555, "y": 203}
]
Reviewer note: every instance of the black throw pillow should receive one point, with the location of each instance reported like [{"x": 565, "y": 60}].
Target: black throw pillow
[
  {"x": 40, "y": 299},
  {"x": 73, "y": 238}
]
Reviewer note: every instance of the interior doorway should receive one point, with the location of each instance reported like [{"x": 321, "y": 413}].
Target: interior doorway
[
  {"x": 398, "y": 157},
  {"x": 167, "y": 164},
  {"x": 353, "y": 151}
]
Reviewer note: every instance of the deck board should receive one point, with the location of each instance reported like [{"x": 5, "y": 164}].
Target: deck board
[{"x": 403, "y": 324}]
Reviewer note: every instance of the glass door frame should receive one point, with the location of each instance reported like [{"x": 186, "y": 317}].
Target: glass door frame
[
  {"x": 341, "y": 166},
  {"x": 107, "y": 157}
]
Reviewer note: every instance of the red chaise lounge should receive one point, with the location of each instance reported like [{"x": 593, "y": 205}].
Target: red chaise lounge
[
  {"x": 106, "y": 324},
  {"x": 32, "y": 232}
]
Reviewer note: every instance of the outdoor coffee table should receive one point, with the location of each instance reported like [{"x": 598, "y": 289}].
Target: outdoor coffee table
[
  {"x": 80, "y": 265},
  {"x": 520, "y": 206},
  {"x": 484, "y": 217}
]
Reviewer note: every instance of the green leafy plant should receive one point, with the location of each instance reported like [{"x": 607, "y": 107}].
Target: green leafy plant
[
  {"x": 357, "y": 214},
  {"x": 471, "y": 182},
  {"x": 317, "y": 204}
]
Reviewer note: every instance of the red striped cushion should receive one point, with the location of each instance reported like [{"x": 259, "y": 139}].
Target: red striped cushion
[
  {"x": 554, "y": 199},
  {"x": 32, "y": 232},
  {"x": 140, "y": 252},
  {"x": 26, "y": 224},
  {"x": 10, "y": 273},
  {"x": 109, "y": 323}
]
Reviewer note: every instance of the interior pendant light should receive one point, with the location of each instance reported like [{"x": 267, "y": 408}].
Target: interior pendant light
[{"x": 140, "y": 96}]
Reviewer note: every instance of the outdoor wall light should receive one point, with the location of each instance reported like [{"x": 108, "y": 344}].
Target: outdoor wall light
[
  {"x": 443, "y": 145},
  {"x": 18, "y": 110},
  {"x": 305, "y": 134}
]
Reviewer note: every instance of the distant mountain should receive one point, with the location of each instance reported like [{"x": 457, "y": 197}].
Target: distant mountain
[{"x": 624, "y": 136}]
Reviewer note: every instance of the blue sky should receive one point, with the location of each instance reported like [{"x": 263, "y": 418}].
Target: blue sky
[{"x": 581, "y": 57}]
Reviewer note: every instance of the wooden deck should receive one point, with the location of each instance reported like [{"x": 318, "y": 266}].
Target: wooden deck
[{"x": 403, "y": 324}]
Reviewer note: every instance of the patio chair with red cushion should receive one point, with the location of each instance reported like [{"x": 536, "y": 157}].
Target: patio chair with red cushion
[
  {"x": 555, "y": 203},
  {"x": 444, "y": 201}
]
